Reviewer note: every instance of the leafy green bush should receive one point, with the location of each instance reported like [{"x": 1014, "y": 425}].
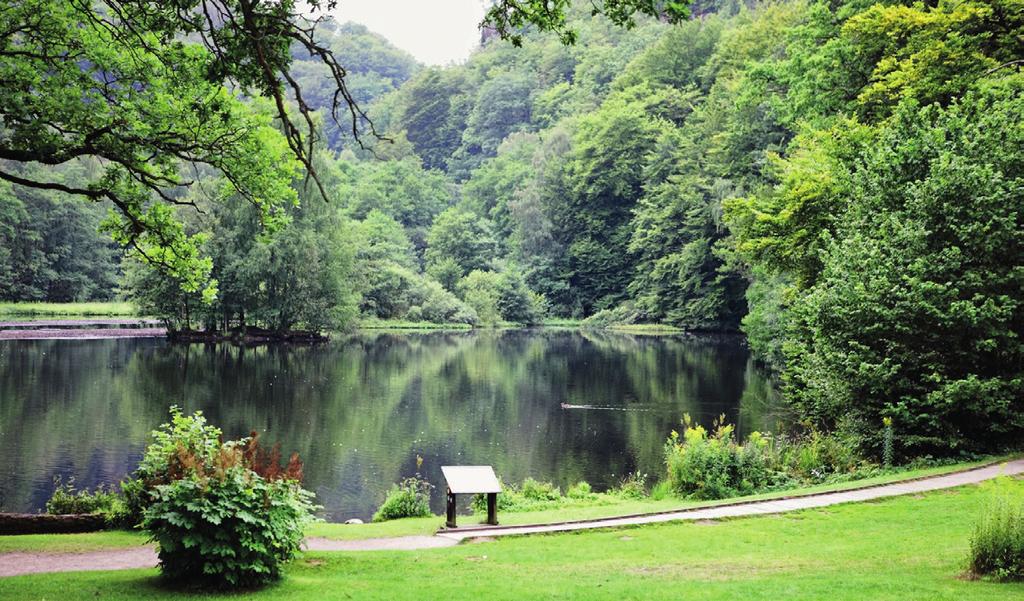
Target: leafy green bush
[
  {"x": 391, "y": 291},
  {"x": 997, "y": 546},
  {"x": 633, "y": 486},
  {"x": 624, "y": 314},
  {"x": 408, "y": 499},
  {"x": 703, "y": 465},
  {"x": 661, "y": 491},
  {"x": 817, "y": 457},
  {"x": 501, "y": 296},
  {"x": 713, "y": 466},
  {"x": 916, "y": 313},
  {"x": 530, "y": 496},
  {"x": 509, "y": 499},
  {"x": 66, "y": 499},
  {"x": 223, "y": 514},
  {"x": 440, "y": 306},
  {"x": 228, "y": 527},
  {"x": 580, "y": 491},
  {"x": 534, "y": 490}
]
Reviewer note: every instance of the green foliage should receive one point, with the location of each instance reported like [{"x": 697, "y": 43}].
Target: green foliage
[
  {"x": 712, "y": 465},
  {"x": 816, "y": 457},
  {"x": 633, "y": 486},
  {"x": 178, "y": 113},
  {"x": 459, "y": 242},
  {"x": 703, "y": 465},
  {"x": 531, "y": 495},
  {"x": 767, "y": 322},
  {"x": 373, "y": 66},
  {"x": 604, "y": 181},
  {"x": 580, "y": 491},
  {"x": 997, "y": 545},
  {"x": 224, "y": 514},
  {"x": 507, "y": 17},
  {"x": 433, "y": 116},
  {"x": 228, "y": 529},
  {"x": 534, "y": 490},
  {"x": 394, "y": 292},
  {"x": 916, "y": 315},
  {"x": 258, "y": 282},
  {"x": 401, "y": 189},
  {"x": 502, "y": 105},
  {"x": 624, "y": 314},
  {"x": 381, "y": 238},
  {"x": 66, "y": 499},
  {"x": 410, "y": 498},
  {"x": 50, "y": 248},
  {"x": 500, "y": 297}
]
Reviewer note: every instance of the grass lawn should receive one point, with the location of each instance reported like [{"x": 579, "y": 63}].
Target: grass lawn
[
  {"x": 68, "y": 309},
  {"x": 905, "y": 548},
  {"x": 71, "y": 543}
]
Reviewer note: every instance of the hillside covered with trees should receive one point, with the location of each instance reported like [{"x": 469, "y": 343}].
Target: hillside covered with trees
[{"x": 840, "y": 181}]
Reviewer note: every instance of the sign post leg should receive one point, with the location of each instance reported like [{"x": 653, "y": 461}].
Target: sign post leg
[
  {"x": 451, "y": 510},
  {"x": 492, "y": 508}
]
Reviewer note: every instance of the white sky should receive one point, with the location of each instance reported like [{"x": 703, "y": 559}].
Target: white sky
[{"x": 436, "y": 32}]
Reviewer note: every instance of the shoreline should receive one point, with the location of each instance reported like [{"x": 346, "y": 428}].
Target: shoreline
[{"x": 103, "y": 327}]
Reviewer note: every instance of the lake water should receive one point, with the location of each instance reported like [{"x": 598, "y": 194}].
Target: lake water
[{"x": 361, "y": 408}]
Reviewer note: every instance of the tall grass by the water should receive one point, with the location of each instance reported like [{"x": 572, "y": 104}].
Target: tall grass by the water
[
  {"x": 110, "y": 309},
  {"x": 373, "y": 323}
]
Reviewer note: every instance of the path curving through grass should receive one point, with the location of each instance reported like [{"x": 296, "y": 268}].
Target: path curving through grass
[{"x": 13, "y": 564}]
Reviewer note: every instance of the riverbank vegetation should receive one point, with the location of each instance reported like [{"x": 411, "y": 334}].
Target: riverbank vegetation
[
  {"x": 844, "y": 552},
  {"x": 609, "y": 507}
]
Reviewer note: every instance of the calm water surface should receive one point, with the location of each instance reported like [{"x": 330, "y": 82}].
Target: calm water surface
[{"x": 360, "y": 409}]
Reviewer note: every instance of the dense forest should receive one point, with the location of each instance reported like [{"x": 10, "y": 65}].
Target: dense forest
[{"x": 841, "y": 181}]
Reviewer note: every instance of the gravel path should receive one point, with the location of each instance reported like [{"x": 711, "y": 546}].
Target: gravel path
[{"x": 12, "y": 564}]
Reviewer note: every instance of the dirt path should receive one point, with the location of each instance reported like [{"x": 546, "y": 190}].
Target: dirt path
[{"x": 12, "y": 564}]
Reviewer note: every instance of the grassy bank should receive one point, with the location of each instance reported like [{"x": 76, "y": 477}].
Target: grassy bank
[
  {"x": 112, "y": 309},
  {"x": 399, "y": 324},
  {"x": 561, "y": 322},
  {"x": 905, "y": 548},
  {"x": 645, "y": 328},
  {"x": 608, "y": 507}
]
